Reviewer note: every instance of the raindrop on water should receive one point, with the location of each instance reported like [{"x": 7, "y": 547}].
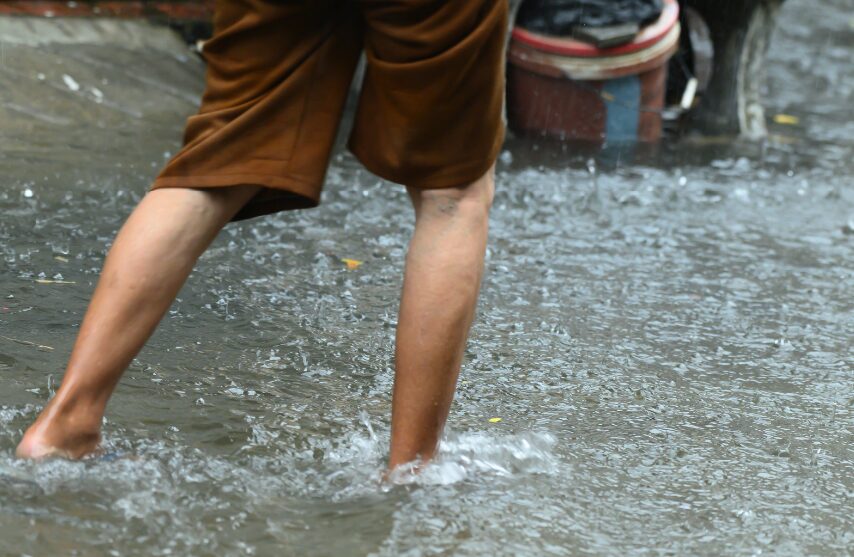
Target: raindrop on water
[
  {"x": 70, "y": 82},
  {"x": 591, "y": 166}
]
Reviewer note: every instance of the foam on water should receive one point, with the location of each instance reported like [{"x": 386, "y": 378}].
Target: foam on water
[
  {"x": 352, "y": 465},
  {"x": 475, "y": 455}
]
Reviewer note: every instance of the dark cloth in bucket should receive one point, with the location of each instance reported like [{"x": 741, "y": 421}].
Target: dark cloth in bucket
[{"x": 559, "y": 17}]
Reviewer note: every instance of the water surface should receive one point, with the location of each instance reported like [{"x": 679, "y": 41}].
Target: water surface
[{"x": 668, "y": 343}]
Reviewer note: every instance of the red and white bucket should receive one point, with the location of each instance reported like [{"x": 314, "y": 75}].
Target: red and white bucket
[{"x": 564, "y": 88}]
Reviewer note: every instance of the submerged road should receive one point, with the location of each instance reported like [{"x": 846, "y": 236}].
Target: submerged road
[{"x": 667, "y": 342}]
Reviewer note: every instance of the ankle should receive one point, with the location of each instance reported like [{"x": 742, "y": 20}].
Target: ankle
[{"x": 73, "y": 414}]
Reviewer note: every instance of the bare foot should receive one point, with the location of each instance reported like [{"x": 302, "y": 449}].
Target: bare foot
[{"x": 56, "y": 434}]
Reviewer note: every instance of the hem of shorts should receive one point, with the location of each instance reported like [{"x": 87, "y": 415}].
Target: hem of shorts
[
  {"x": 280, "y": 193},
  {"x": 454, "y": 176}
]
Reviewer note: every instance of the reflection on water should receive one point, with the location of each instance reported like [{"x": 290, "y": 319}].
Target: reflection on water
[{"x": 668, "y": 343}]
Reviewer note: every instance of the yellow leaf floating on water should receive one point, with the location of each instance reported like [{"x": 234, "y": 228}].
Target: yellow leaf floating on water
[
  {"x": 48, "y": 281},
  {"x": 494, "y": 420},
  {"x": 60, "y": 258},
  {"x": 351, "y": 263},
  {"x": 787, "y": 119}
]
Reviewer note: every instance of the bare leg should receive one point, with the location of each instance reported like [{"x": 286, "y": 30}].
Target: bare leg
[
  {"x": 151, "y": 258},
  {"x": 440, "y": 286}
]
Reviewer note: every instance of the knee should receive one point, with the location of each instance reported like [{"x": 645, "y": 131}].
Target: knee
[{"x": 472, "y": 200}]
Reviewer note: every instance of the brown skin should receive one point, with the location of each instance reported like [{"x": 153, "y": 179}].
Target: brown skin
[
  {"x": 444, "y": 267},
  {"x": 150, "y": 259},
  {"x": 155, "y": 251}
]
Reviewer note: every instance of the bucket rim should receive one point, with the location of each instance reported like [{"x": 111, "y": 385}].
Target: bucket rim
[
  {"x": 602, "y": 68},
  {"x": 648, "y": 36}
]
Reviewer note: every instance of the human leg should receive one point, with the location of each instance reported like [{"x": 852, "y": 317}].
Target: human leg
[
  {"x": 277, "y": 77},
  {"x": 430, "y": 116},
  {"x": 444, "y": 266},
  {"x": 152, "y": 255}
]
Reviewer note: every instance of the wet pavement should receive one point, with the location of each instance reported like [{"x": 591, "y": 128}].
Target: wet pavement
[{"x": 667, "y": 340}]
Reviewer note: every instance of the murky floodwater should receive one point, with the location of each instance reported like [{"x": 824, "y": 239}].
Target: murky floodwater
[{"x": 667, "y": 343}]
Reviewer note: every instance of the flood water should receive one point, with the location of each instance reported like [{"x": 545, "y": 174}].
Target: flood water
[{"x": 668, "y": 343}]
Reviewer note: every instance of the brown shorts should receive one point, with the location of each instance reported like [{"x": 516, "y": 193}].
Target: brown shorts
[{"x": 430, "y": 114}]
